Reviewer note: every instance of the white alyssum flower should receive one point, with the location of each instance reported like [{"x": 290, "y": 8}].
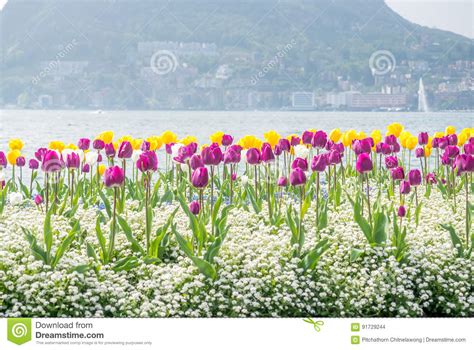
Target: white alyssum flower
[{"x": 15, "y": 198}]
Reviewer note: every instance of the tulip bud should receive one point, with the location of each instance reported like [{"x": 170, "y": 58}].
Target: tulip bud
[
  {"x": 397, "y": 173},
  {"x": 423, "y": 138},
  {"x": 320, "y": 139},
  {"x": 98, "y": 144},
  {"x": 253, "y": 156},
  {"x": 20, "y": 161},
  {"x": 414, "y": 176},
  {"x": 297, "y": 177},
  {"x": 84, "y": 144},
  {"x": 282, "y": 181},
  {"x": 33, "y": 164},
  {"x": 391, "y": 162},
  {"x": 401, "y": 211},
  {"x": 200, "y": 177},
  {"x": 267, "y": 154},
  {"x": 125, "y": 150},
  {"x": 110, "y": 150},
  {"x": 194, "y": 207},
  {"x": 319, "y": 163},
  {"x": 405, "y": 187},
  {"x": 86, "y": 168},
  {"x": 419, "y": 152},
  {"x": 227, "y": 140},
  {"x": 38, "y": 199},
  {"x": 300, "y": 163}
]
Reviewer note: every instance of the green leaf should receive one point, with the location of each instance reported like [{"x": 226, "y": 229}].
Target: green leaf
[
  {"x": 126, "y": 264},
  {"x": 355, "y": 254},
  {"x": 362, "y": 222},
  {"x": 454, "y": 239},
  {"x": 36, "y": 250},
  {"x": 106, "y": 203},
  {"x": 380, "y": 226},
  {"x": 136, "y": 247},
  {"x": 101, "y": 239},
  {"x": 204, "y": 267},
  {"x": 185, "y": 246},
  {"x": 80, "y": 268},
  {"x": 311, "y": 259},
  {"x": 64, "y": 245},
  {"x": 48, "y": 232}
]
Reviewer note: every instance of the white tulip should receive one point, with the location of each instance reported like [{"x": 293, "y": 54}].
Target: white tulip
[
  {"x": 175, "y": 149},
  {"x": 301, "y": 151},
  {"x": 91, "y": 158},
  {"x": 244, "y": 179}
]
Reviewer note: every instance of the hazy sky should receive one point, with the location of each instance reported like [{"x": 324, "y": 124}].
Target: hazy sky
[{"x": 453, "y": 15}]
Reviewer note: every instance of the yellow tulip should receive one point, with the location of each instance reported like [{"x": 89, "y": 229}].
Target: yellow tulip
[
  {"x": 312, "y": 130},
  {"x": 411, "y": 142},
  {"x": 217, "y": 137},
  {"x": 57, "y": 145},
  {"x": 467, "y": 131},
  {"x": 12, "y": 156},
  {"x": 71, "y": 146},
  {"x": 438, "y": 134},
  {"x": 462, "y": 138},
  {"x": 125, "y": 138},
  {"x": 428, "y": 151},
  {"x": 188, "y": 139},
  {"x": 136, "y": 144},
  {"x": 376, "y": 136},
  {"x": 272, "y": 137},
  {"x": 15, "y": 144},
  {"x": 395, "y": 129},
  {"x": 346, "y": 139},
  {"x": 335, "y": 135},
  {"x": 169, "y": 137},
  {"x": 155, "y": 142},
  {"x": 450, "y": 130},
  {"x": 250, "y": 141},
  {"x": 101, "y": 169},
  {"x": 404, "y": 136},
  {"x": 106, "y": 136}
]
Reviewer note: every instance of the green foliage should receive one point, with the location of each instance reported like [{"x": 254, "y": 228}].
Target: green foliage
[{"x": 463, "y": 250}]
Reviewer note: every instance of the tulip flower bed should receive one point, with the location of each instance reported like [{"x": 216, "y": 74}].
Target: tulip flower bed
[{"x": 338, "y": 225}]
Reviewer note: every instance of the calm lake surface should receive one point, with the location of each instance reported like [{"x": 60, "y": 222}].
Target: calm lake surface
[{"x": 37, "y": 128}]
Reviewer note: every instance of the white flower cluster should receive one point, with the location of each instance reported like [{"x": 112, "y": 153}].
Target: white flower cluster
[{"x": 257, "y": 273}]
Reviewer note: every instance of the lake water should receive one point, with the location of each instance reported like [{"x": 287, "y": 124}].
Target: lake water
[{"x": 37, "y": 128}]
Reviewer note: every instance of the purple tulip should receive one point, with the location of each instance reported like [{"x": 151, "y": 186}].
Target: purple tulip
[
  {"x": 40, "y": 152},
  {"x": 194, "y": 207},
  {"x": 267, "y": 153},
  {"x": 211, "y": 155},
  {"x": 110, "y": 150},
  {"x": 125, "y": 150},
  {"x": 431, "y": 179},
  {"x": 395, "y": 147},
  {"x": 236, "y": 148},
  {"x": 300, "y": 163},
  {"x": 386, "y": 149},
  {"x": 405, "y": 187},
  {"x": 99, "y": 158},
  {"x": 419, "y": 152},
  {"x": 334, "y": 158},
  {"x": 200, "y": 177},
  {"x": 38, "y": 199},
  {"x": 435, "y": 142},
  {"x": 397, "y": 173},
  {"x": 469, "y": 148},
  {"x": 364, "y": 163},
  {"x": 233, "y": 177},
  {"x": 329, "y": 145},
  {"x": 33, "y": 164},
  {"x": 20, "y": 161},
  {"x": 169, "y": 148},
  {"x": 297, "y": 177},
  {"x": 278, "y": 151},
  {"x": 452, "y": 139},
  {"x": 147, "y": 161},
  {"x": 114, "y": 176},
  {"x": 51, "y": 162},
  {"x": 196, "y": 162},
  {"x": 423, "y": 138},
  {"x": 3, "y": 160},
  {"x": 227, "y": 140},
  {"x": 282, "y": 181},
  {"x": 84, "y": 144},
  {"x": 73, "y": 161},
  {"x": 319, "y": 163},
  {"x": 253, "y": 156},
  {"x": 231, "y": 156},
  {"x": 401, "y": 211},
  {"x": 443, "y": 142},
  {"x": 451, "y": 151},
  {"x": 307, "y": 137},
  {"x": 295, "y": 140},
  {"x": 339, "y": 147},
  {"x": 98, "y": 144},
  {"x": 391, "y": 162},
  {"x": 284, "y": 145},
  {"x": 414, "y": 176},
  {"x": 145, "y": 146},
  {"x": 86, "y": 168},
  {"x": 320, "y": 139},
  {"x": 390, "y": 140},
  {"x": 464, "y": 163}
]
